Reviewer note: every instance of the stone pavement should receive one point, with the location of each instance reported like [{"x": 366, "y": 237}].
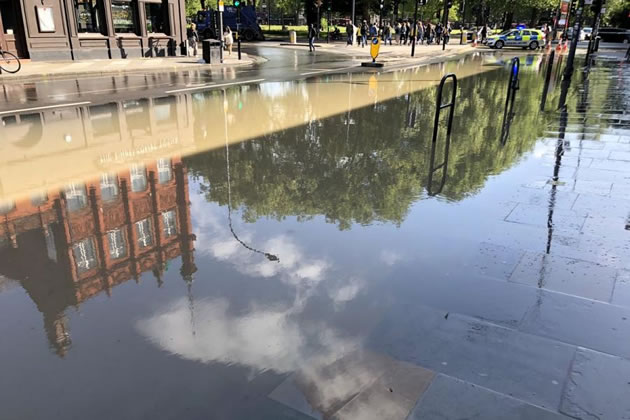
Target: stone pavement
[
  {"x": 539, "y": 332},
  {"x": 37, "y": 70}
]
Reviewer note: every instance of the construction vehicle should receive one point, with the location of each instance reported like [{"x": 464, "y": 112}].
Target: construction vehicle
[{"x": 248, "y": 29}]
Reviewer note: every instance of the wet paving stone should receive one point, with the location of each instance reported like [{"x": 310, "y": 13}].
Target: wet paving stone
[
  {"x": 619, "y": 155},
  {"x": 598, "y": 387},
  {"x": 591, "y": 174},
  {"x": 566, "y": 275},
  {"x": 621, "y": 294},
  {"x": 583, "y": 322},
  {"x": 612, "y": 165},
  {"x": 621, "y": 190},
  {"x": 524, "y": 366},
  {"x": 570, "y": 221},
  {"x": 449, "y": 398},
  {"x": 604, "y": 206}
]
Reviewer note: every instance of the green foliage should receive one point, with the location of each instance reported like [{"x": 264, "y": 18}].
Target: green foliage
[
  {"x": 192, "y": 7},
  {"x": 617, "y": 13},
  {"x": 371, "y": 164}
]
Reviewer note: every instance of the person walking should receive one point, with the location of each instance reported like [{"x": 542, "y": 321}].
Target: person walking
[
  {"x": 373, "y": 31},
  {"x": 397, "y": 32},
  {"x": 349, "y": 33},
  {"x": 387, "y": 34},
  {"x": 547, "y": 32},
  {"x": 228, "y": 39},
  {"x": 420, "y": 32},
  {"x": 484, "y": 33},
  {"x": 312, "y": 34},
  {"x": 439, "y": 30},
  {"x": 364, "y": 33},
  {"x": 404, "y": 33},
  {"x": 193, "y": 39}
]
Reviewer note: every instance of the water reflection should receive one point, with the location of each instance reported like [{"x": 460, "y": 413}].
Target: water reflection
[{"x": 67, "y": 246}]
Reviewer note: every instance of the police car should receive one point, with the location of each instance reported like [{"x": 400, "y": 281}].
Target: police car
[{"x": 524, "y": 38}]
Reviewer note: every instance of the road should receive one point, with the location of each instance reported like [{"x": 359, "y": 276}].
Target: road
[{"x": 282, "y": 65}]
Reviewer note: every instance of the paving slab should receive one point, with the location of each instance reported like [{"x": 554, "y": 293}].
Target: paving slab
[
  {"x": 612, "y": 165},
  {"x": 563, "y": 220},
  {"x": 566, "y": 275},
  {"x": 524, "y": 366},
  {"x": 604, "y": 206},
  {"x": 620, "y": 155},
  {"x": 592, "y": 174},
  {"x": 583, "y": 322},
  {"x": 392, "y": 396},
  {"x": 621, "y": 294},
  {"x": 449, "y": 398},
  {"x": 598, "y": 388}
]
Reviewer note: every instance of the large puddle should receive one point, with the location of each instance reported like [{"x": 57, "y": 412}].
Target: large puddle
[{"x": 272, "y": 251}]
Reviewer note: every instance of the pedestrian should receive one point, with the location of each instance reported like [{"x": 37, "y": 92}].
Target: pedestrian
[
  {"x": 349, "y": 33},
  {"x": 228, "y": 39},
  {"x": 420, "y": 32},
  {"x": 403, "y": 33},
  {"x": 387, "y": 34},
  {"x": 547, "y": 36},
  {"x": 447, "y": 33},
  {"x": 312, "y": 34},
  {"x": 193, "y": 39},
  {"x": 484, "y": 33},
  {"x": 373, "y": 31},
  {"x": 364, "y": 33}
]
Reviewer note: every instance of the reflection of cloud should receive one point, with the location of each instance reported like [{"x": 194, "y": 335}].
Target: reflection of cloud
[
  {"x": 390, "y": 257},
  {"x": 346, "y": 292}
]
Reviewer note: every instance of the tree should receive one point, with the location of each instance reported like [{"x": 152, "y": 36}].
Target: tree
[{"x": 192, "y": 7}]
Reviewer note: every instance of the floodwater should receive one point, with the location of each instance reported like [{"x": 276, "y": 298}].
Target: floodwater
[{"x": 296, "y": 250}]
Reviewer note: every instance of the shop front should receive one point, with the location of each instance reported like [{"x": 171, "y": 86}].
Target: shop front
[{"x": 92, "y": 29}]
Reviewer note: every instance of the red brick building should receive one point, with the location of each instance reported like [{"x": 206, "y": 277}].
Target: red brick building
[{"x": 67, "y": 246}]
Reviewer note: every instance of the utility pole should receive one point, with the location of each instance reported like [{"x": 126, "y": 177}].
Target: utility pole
[
  {"x": 220, "y": 12},
  {"x": 461, "y": 33},
  {"x": 577, "y": 28},
  {"x": 447, "y": 5},
  {"x": 353, "y": 9},
  {"x": 415, "y": 28},
  {"x": 380, "y": 16},
  {"x": 596, "y": 7}
]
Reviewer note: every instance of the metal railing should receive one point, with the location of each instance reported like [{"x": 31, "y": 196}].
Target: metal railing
[
  {"x": 508, "y": 112},
  {"x": 438, "y": 109}
]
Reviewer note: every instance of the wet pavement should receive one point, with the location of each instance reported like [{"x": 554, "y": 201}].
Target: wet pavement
[{"x": 292, "y": 250}]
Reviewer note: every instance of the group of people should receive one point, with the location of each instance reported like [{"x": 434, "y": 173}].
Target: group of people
[
  {"x": 403, "y": 33},
  {"x": 193, "y": 39}
]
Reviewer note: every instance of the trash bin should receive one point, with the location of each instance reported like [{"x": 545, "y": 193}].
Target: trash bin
[
  {"x": 212, "y": 51},
  {"x": 293, "y": 37},
  {"x": 596, "y": 46}
]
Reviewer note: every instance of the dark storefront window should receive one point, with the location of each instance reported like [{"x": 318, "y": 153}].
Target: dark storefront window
[
  {"x": 156, "y": 21},
  {"x": 7, "y": 12},
  {"x": 88, "y": 19},
  {"x": 124, "y": 17}
]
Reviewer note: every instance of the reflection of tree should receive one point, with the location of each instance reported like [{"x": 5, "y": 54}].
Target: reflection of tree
[{"x": 380, "y": 169}]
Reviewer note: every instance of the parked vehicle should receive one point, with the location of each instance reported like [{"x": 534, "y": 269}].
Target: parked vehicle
[
  {"x": 249, "y": 30},
  {"x": 524, "y": 38},
  {"x": 587, "y": 33},
  {"x": 614, "y": 35}
]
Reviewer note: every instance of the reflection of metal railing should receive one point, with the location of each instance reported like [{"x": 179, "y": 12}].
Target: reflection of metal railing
[
  {"x": 513, "y": 86},
  {"x": 438, "y": 109},
  {"x": 543, "y": 100}
]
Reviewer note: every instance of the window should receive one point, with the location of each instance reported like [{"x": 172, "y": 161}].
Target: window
[
  {"x": 76, "y": 197},
  {"x": 156, "y": 22},
  {"x": 526, "y": 33},
  {"x": 7, "y": 13},
  {"x": 124, "y": 17},
  {"x": 84, "y": 255},
  {"x": 170, "y": 224},
  {"x": 164, "y": 171},
  {"x": 88, "y": 19},
  {"x": 138, "y": 178},
  {"x": 6, "y": 207},
  {"x": 109, "y": 187},
  {"x": 39, "y": 199},
  {"x": 144, "y": 233},
  {"x": 117, "y": 244}
]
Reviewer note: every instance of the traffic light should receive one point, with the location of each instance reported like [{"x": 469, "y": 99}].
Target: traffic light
[
  {"x": 381, "y": 5},
  {"x": 597, "y": 5},
  {"x": 237, "y": 3},
  {"x": 573, "y": 7},
  {"x": 423, "y": 2}
]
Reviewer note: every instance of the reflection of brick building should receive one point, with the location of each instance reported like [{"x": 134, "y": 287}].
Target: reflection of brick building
[{"x": 71, "y": 245}]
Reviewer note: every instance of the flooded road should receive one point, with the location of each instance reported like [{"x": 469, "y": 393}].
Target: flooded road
[{"x": 277, "y": 251}]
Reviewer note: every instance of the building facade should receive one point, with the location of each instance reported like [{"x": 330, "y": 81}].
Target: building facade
[
  {"x": 92, "y": 29},
  {"x": 67, "y": 246}
]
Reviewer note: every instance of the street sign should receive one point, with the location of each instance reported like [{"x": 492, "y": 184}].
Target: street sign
[
  {"x": 375, "y": 47},
  {"x": 221, "y": 6}
]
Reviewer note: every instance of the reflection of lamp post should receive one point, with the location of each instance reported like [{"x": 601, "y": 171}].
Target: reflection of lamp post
[{"x": 270, "y": 257}]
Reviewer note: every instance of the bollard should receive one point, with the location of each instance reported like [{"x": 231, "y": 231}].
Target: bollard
[
  {"x": 238, "y": 45},
  {"x": 547, "y": 80},
  {"x": 508, "y": 113}
]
